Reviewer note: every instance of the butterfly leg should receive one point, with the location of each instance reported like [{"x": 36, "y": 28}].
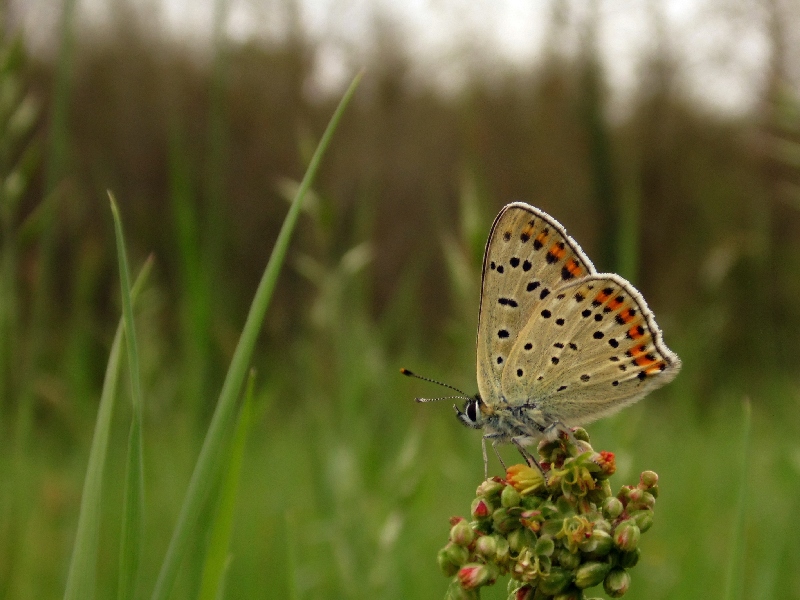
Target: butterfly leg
[
  {"x": 485, "y": 458},
  {"x": 529, "y": 458},
  {"x": 497, "y": 453},
  {"x": 495, "y": 439}
]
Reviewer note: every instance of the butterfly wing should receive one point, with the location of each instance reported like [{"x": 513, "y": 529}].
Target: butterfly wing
[
  {"x": 527, "y": 257},
  {"x": 589, "y": 349}
]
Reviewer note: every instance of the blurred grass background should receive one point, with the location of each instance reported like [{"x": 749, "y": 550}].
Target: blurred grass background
[{"x": 347, "y": 485}]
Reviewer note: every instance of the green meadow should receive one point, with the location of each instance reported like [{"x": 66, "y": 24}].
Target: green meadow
[{"x": 200, "y": 388}]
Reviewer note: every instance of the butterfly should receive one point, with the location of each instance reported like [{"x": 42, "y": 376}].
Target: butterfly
[{"x": 559, "y": 345}]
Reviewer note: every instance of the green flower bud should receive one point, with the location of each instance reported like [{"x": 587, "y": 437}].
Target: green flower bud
[
  {"x": 648, "y": 479},
  {"x": 591, "y": 573},
  {"x": 481, "y": 508},
  {"x": 503, "y": 552},
  {"x": 489, "y": 488},
  {"x": 510, "y": 497},
  {"x": 568, "y": 560},
  {"x": 486, "y": 546},
  {"x": 504, "y": 522},
  {"x": 635, "y": 495},
  {"x": 644, "y": 520},
  {"x": 628, "y": 560},
  {"x": 603, "y": 525},
  {"x": 599, "y": 544},
  {"x": 617, "y": 582},
  {"x": 647, "y": 500},
  {"x": 475, "y": 575},
  {"x": 451, "y": 557},
  {"x": 544, "y": 546},
  {"x": 555, "y": 581},
  {"x": 462, "y": 534},
  {"x": 626, "y": 536},
  {"x": 447, "y": 567},
  {"x": 612, "y": 508},
  {"x": 581, "y": 434}
]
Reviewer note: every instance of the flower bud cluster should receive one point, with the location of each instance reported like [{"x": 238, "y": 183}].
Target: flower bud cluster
[{"x": 555, "y": 537}]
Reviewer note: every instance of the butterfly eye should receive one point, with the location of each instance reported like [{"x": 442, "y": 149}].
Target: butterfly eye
[{"x": 472, "y": 410}]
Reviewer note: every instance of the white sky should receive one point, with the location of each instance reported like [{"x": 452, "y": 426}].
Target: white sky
[{"x": 720, "y": 46}]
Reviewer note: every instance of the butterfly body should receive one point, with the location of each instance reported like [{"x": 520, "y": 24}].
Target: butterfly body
[{"x": 558, "y": 345}]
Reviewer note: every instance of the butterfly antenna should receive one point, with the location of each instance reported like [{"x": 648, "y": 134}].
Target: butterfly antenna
[
  {"x": 440, "y": 398},
  {"x": 463, "y": 396}
]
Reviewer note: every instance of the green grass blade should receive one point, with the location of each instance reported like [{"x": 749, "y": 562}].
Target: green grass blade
[
  {"x": 207, "y": 463},
  {"x": 216, "y": 562},
  {"x": 133, "y": 502},
  {"x": 81, "y": 576},
  {"x": 734, "y": 581}
]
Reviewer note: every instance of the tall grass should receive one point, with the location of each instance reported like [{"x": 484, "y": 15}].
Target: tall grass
[
  {"x": 81, "y": 579},
  {"x": 206, "y": 471},
  {"x": 213, "y": 454}
]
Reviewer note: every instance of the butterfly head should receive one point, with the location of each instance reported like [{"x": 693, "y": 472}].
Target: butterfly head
[{"x": 472, "y": 415}]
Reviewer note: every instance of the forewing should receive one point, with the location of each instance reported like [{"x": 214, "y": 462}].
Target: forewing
[
  {"x": 527, "y": 257},
  {"x": 589, "y": 349}
]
